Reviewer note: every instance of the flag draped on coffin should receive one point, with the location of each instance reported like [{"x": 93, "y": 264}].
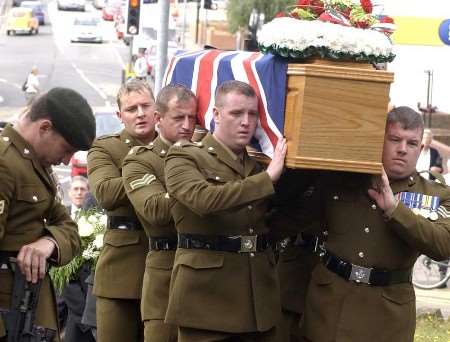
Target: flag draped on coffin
[{"x": 202, "y": 71}]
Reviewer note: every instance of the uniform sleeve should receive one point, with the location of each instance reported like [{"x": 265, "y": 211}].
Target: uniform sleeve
[
  {"x": 431, "y": 238},
  {"x": 65, "y": 232},
  {"x": 105, "y": 178},
  {"x": 146, "y": 192},
  {"x": 188, "y": 185},
  {"x": 6, "y": 194}
]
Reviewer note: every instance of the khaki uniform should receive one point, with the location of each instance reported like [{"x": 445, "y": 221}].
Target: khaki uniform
[
  {"x": 297, "y": 248},
  {"x": 342, "y": 310},
  {"x": 120, "y": 268},
  {"x": 143, "y": 174},
  {"x": 217, "y": 194},
  {"x": 29, "y": 210}
]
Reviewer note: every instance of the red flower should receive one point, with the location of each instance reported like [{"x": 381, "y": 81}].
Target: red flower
[
  {"x": 362, "y": 24},
  {"x": 314, "y": 5},
  {"x": 386, "y": 19},
  {"x": 366, "y": 5},
  {"x": 280, "y": 15}
]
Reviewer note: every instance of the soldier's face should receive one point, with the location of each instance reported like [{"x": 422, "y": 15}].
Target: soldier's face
[
  {"x": 51, "y": 148},
  {"x": 77, "y": 193},
  {"x": 178, "y": 122},
  {"x": 401, "y": 150},
  {"x": 137, "y": 114},
  {"x": 236, "y": 120}
]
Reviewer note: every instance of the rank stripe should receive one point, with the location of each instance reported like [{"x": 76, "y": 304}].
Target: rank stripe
[
  {"x": 444, "y": 212},
  {"x": 145, "y": 180}
]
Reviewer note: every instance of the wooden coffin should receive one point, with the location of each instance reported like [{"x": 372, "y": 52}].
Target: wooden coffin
[{"x": 335, "y": 116}]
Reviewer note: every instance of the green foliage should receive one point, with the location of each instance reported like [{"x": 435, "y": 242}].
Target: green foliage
[
  {"x": 238, "y": 11},
  {"x": 431, "y": 328}
]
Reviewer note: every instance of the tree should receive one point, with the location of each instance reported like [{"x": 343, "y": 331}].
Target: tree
[{"x": 238, "y": 11}]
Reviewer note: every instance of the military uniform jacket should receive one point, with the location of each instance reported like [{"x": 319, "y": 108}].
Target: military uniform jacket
[
  {"x": 217, "y": 195},
  {"x": 341, "y": 310},
  {"x": 121, "y": 264},
  {"x": 30, "y": 210},
  {"x": 143, "y": 175}
]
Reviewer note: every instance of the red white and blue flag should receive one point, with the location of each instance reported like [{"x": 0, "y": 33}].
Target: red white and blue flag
[{"x": 202, "y": 71}]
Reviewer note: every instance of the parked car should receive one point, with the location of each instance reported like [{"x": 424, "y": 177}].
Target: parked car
[
  {"x": 74, "y": 5},
  {"x": 87, "y": 29},
  {"x": 36, "y": 8},
  {"x": 106, "y": 123},
  {"x": 21, "y": 20}
]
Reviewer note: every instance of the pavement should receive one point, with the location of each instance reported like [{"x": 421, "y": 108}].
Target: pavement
[{"x": 436, "y": 302}]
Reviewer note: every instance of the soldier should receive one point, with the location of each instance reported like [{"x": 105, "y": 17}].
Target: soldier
[
  {"x": 377, "y": 226},
  {"x": 120, "y": 268},
  {"x": 297, "y": 245},
  {"x": 224, "y": 282},
  {"x": 143, "y": 174},
  {"x": 34, "y": 226}
]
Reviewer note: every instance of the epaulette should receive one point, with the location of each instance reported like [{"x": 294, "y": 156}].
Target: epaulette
[
  {"x": 186, "y": 143},
  {"x": 106, "y": 136},
  {"x": 139, "y": 149},
  {"x": 438, "y": 178},
  {"x": 4, "y": 144}
]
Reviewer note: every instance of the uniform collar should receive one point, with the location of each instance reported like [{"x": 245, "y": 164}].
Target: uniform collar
[
  {"x": 24, "y": 148},
  {"x": 130, "y": 140},
  {"x": 404, "y": 184},
  {"x": 160, "y": 146}
]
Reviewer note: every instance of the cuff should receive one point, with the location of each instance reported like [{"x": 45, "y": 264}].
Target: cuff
[{"x": 55, "y": 255}]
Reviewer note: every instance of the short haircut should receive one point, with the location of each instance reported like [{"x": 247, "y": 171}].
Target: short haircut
[
  {"x": 182, "y": 94},
  {"x": 407, "y": 117},
  {"x": 38, "y": 109},
  {"x": 79, "y": 179},
  {"x": 232, "y": 86},
  {"x": 133, "y": 85}
]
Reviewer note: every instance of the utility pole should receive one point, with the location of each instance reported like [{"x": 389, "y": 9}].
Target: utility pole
[{"x": 161, "y": 52}]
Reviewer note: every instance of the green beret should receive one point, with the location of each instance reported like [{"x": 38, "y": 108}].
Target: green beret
[{"x": 71, "y": 117}]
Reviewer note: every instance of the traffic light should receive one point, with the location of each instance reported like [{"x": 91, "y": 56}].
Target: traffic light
[
  {"x": 207, "y": 4},
  {"x": 133, "y": 16}
]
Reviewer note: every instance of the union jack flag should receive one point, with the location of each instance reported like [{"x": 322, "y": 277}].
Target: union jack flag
[{"x": 202, "y": 71}]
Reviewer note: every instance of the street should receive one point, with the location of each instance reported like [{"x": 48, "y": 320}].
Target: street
[{"x": 92, "y": 69}]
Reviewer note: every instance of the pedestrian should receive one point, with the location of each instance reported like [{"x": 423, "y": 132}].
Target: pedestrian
[
  {"x": 121, "y": 264},
  {"x": 75, "y": 291},
  {"x": 31, "y": 86},
  {"x": 143, "y": 173},
  {"x": 224, "y": 282},
  {"x": 377, "y": 226},
  {"x": 429, "y": 163},
  {"x": 35, "y": 227},
  {"x": 140, "y": 66}
]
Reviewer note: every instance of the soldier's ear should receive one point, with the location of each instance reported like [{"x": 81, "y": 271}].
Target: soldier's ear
[
  {"x": 45, "y": 126},
  {"x": 119, "y": 115},
  {"x": 216, "y": 116}
]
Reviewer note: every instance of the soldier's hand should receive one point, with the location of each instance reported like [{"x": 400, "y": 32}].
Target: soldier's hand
[
  {"x": 32, "y": 259},
  {"x": 277, "y": 164},
  {"x": 382, "y": 194}
]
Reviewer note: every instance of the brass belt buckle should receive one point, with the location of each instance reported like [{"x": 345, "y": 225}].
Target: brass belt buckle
[
  {"x": 360, "y": 274},
  {"x": 248, "y": 243}
]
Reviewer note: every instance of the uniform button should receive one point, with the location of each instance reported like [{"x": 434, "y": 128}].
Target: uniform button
[
  {"x": 127, "y": 141},
  {"x": 250, "y": 230},
  {"x": 325, "y": 233},
  {"x": 217, "y": 178},
  {"x": 210, "y": 148},
  {"x": 26, "y": 151},
  {"x": 5, "y": 138},
  {"x": 374, "y": 207},
  {"x": 151, "y": 144},
  {"x": 361, "y": 254},
  {"x": 163, "y": 152},
  {"x": 252, "y": 255},
  {"x": 411, "y": 178},
  {"x": 45, "y": 220},
  {"x": 367, "y": 230},
  {"x": 250, "y": 207},
  {"x": 167, "y": 195},
  {"x": 335, "y": 197},
  {"x": 35, "y": 198}
]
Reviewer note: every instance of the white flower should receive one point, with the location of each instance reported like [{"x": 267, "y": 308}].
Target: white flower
[
  {"x": 84, "y": 227},
  {"x": 98, "y": 241},
  {"x": 297, "y": 35},
  {"x": 92, "y": 219},
  {"x": 103, "y": 220}
]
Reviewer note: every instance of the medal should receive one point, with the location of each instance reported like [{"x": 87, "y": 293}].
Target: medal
[{"x": 434, "y": 216}]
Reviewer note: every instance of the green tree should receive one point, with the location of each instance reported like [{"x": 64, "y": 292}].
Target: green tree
[{"x": 238, "y": 11}]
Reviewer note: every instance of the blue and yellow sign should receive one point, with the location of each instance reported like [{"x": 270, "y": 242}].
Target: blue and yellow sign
[{"x": 444, "y": 31}]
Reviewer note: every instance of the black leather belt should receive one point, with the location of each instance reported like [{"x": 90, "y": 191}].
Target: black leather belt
[
  {"x": 308, "y": 243},
  {"x": 162, "y": 243},
  {"x": 360, "y": 274},
  {"x": 236, "y": 243},
  {"x": 123, "y": 222}
]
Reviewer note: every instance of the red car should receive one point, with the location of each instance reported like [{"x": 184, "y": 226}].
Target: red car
[{"x": 106, "y": 122}]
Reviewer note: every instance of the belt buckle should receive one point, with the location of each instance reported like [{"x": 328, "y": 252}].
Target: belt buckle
[
  {"x": 248, "y": 243},
  {"x": 360, "y": 274}
]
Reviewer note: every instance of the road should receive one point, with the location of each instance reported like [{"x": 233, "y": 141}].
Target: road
[{"x": 92, "y": 69}]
